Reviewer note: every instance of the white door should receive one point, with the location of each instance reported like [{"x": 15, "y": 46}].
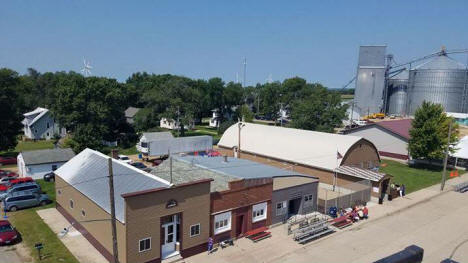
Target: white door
[{"x": 168, "y": 247}]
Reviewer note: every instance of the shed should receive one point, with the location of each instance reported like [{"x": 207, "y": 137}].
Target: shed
[{"x": 36, "y": 164}]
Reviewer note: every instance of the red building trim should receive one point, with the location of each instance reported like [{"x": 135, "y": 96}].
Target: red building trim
[{"x": 394, "y": 155}]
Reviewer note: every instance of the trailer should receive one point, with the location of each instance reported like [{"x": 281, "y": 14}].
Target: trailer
[{"x": 178, "y": 145}]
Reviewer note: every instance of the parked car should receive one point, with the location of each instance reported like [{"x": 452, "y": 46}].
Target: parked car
[
  {"x": 141, "y": 166},
  {"x": 8, "y": 233},
  {"x": 49, "y": 177},
  {"x": 10, "y": 181},
  {"x": 4, "y": 173},
  {"x": 7, "y": 179},
  {"x": 21, "y": 180},
  {"x": 7, "y": 160},
  {"x": 124, "y": 158},
  {"x": 30, "y": 187},
  {"x": 20, "y": 200}
]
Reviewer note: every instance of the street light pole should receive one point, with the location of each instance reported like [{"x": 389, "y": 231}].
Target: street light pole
[{"x": 442, "y": 184}]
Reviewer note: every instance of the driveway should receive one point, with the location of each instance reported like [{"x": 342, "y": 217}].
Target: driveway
[
  {"x": 8, "y": 255},
  {"x": 78, "y": 245}
]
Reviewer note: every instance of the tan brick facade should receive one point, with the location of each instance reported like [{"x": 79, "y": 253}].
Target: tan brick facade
[
  {"x": 101, "y": 230},
  {"x": 142, "y": 219},
  {"x": 144, "y": 212}
]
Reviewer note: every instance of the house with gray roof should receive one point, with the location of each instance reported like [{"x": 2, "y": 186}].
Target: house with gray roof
[
  {"x": 40, "y": 124},
  {"x": 36, "y": 164},
  {"x": 130, "y": 113}
]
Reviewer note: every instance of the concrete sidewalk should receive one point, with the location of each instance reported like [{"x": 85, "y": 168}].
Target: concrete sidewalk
[
  {"x": 78, "y": 245},
  {"x": 280, "y": 247}
]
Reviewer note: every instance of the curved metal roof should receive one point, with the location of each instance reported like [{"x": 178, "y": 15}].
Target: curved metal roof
[{"x": 317, "y": 149}]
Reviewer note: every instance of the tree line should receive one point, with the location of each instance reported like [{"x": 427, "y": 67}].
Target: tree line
[{"x": 92, "y": 108}]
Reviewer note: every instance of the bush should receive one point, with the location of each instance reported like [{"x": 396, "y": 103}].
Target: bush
[{"x": 224, "y": 126}]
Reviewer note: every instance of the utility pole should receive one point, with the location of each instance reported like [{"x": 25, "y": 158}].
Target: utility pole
[
  {"x": 112, "y": 205},
  {"x": 170, "y": 166},
  {"x": 239, "y": 125},
  {"x": 442, "y": 184},
  {"x": 245, "y": 71},
  {"x": 178, "y": 119}
]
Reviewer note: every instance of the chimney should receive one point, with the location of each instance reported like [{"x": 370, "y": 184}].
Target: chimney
[
  {"x": 225, "y": 158},
  {"x": 115, "y": 153}
]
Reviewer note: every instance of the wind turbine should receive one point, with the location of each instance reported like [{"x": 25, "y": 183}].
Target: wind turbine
[{"x": 86, "y": 70}]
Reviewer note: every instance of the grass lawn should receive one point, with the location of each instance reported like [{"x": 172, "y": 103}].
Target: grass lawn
[
  {"x": 29, "y": 146},
  {"x": 33, "y": 230},
  {"x": 128, "y": 151},
  {"x": 413, "y": 178},
  {"x": 347, "y": 96}
]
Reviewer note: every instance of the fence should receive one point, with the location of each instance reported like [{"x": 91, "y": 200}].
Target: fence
[{"x": 345, "y": 196}]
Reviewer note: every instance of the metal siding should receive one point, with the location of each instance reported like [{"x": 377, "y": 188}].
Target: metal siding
[
  {"x": 398, "y": 91},
  {"x": 441, "y": 80},
  {"x": 181, "y": 145},
  {"x": 370, "y": 79}
]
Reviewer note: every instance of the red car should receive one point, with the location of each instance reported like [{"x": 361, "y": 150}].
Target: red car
[
  {"x": 4, "y": 173},
  {"x": 21, "y": 180},
  {"x": 7, "y": 160},
  {"x": 6, "y": 186},
  {"x": 8, "y": 234}
]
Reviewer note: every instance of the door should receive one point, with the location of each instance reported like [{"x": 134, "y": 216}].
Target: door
[
  {"x": 168, "y": 246},
  {"x": 239, "y": 225}
]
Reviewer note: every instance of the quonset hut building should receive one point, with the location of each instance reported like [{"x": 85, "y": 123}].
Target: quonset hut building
[{"x": 382, "y": 86}]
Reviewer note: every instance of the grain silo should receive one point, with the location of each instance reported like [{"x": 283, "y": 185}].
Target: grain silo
[
  {"x": 397, "y": 87},
  {"x": 440, "y": 80}
]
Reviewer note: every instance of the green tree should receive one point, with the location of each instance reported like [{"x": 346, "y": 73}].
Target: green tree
[
  {"x": 321, "y": 110},
  {"x": 429, "y": 132},
  {"x": 10, "y": 105},
  {"x": 244, "y": 112}
]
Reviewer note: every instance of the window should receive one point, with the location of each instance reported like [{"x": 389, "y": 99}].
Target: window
[
  {"x": 59, "y": 192},
  {"x": 71, "y": 204},
  {"x": 83, "y": 213},
  {"x": 48, "y": 126},
  {"x": 145, "y": 244},
  {"x": 47, "y": 134},
  {"x": 308, "y": 198},
  {"x": 222, "y": 222},
  {"x": 259, "y": 212},
  {"x": 281, "y": 208},
  {"x": 195, "y": 230}
]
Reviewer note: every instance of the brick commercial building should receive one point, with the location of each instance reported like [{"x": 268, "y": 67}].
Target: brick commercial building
[
  {"x": 317, "y": 154},
  {"x": 245, "y": 195},
  {"x": 155, "y": 218}
]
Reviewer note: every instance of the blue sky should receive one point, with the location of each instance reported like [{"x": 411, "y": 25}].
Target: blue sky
[{"x": 316, "y": 40}]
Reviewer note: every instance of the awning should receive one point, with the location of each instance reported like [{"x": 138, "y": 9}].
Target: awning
[{"x": 361, "y": 173}]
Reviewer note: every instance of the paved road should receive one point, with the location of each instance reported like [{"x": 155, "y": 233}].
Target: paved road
[
  {"x": 438, "y": 226},
  {"x": 7, "y": 255}
]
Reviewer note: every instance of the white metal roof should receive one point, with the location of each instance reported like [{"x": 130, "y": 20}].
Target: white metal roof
[
  {"x": 317, "y": 149},
  {"x": 461, "y": 149},
  {"x": 361, "y": 173},
  {"x": 457, "y": 115},
  {"x": 88, "y": 173}
]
